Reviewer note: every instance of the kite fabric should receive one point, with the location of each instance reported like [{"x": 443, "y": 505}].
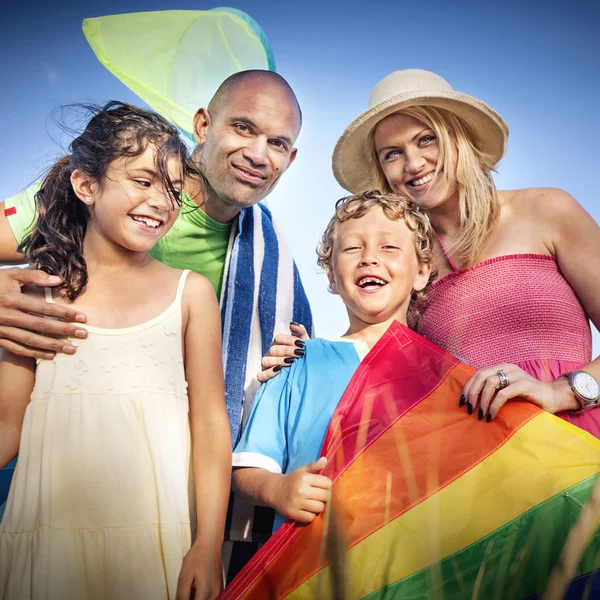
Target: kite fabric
[
  {"x": 429, "y": 502},
  {"x": 176, "y": 59}
]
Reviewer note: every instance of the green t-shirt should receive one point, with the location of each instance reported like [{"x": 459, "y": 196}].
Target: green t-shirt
[{"x": 195, "y": 241}]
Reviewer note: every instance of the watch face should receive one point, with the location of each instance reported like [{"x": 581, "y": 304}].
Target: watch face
[{"x": 586, "y": 385}]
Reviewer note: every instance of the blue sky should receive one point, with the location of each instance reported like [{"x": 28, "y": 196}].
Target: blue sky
[{"x": 535, "y": 62}]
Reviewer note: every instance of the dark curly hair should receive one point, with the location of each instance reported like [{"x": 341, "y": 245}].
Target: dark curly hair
[
  {"x": 55, "y": 244},
  {"x": 395, "y": 207}
]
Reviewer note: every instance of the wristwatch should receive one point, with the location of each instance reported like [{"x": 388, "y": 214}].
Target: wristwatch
[{"x": 585, "y": 388}]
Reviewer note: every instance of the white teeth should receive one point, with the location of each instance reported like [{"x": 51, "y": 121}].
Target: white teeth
[
  {"x": 146, "y": 221},
  {"x": 426, "y": 179},
  {"x": 365, "y": 280}
]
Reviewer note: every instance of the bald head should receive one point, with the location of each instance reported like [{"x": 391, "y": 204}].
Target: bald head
[{"x": 258, "y": 77}]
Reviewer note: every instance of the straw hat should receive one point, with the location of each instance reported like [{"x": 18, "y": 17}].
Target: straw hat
[{"x": 352, "y": 165}]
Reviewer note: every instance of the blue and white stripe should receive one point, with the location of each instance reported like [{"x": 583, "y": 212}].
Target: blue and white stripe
[{"x": 261, "y": 295}]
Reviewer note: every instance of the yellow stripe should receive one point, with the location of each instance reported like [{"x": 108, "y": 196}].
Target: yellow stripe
[{"x": 541, "y": 459}]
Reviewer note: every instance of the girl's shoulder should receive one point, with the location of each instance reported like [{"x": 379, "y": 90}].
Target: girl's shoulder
[{"x": 197, "y": 287}]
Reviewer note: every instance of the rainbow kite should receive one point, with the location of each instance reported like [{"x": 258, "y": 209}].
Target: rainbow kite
[{"x": 428, "y": 501}]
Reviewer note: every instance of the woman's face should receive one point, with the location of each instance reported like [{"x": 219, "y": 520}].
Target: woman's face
[{"x": 408, "y": 152}]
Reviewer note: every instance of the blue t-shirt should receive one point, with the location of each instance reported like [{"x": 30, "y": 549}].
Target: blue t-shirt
[{"x": 291, "y": 412}]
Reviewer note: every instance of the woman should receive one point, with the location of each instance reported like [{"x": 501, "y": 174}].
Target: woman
[{"x": 517, "y": 270}]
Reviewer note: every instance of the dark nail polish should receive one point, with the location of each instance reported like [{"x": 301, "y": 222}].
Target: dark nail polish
[
  {"x": 277, "y": 368},
  {"x": 488, "y": 418},
  {"x": 300, "y": 343},
  {"x": 469, "y": 408},
  {"x": 480, "y": 414},
  {"x": 289, "y": 360},
  {"x": 299, "y": 352},
  {"x": 294, "y": 323},
  {"x": 462, "y": 400}
]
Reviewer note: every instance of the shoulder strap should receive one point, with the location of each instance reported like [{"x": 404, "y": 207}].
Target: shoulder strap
[
  {"x": 48, "y": 294},
  {"x": 181, "y": 285},
  {"x": 452, "y": 264}
]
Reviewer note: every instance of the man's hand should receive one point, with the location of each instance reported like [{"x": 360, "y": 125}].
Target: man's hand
[
  {"x": 283, "y": 351},
  {"x": 28, "y": 326},
  {"x": 302, "y": 494}
]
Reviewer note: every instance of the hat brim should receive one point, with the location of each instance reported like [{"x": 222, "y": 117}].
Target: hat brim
[{"x": 351, "y": 161}]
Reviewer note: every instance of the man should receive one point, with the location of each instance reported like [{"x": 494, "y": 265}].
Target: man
[{"x": 245, "y": 142}]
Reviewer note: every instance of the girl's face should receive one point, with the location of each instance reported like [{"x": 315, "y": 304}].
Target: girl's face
[
  {"x": 407, "y": 151},
  {"x": 374, "y": 267},
  {"x": 132, "y": 207}
]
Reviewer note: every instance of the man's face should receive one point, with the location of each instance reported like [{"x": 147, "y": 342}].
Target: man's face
[{"x": 248, "y": 144}]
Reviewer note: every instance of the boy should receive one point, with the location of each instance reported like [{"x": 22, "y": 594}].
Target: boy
[{"x": 376, "y": 252}]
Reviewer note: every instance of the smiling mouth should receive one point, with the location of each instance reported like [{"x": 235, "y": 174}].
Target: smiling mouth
[
  {"x": 422, "y": 181},
  {"x": 147, "y": 221},
  {"x": 249, "y": 175},
  {"x": 371, "y": 283}
]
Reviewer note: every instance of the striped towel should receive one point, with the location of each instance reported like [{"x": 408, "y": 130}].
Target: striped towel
[{"x": 261, "y": 295}]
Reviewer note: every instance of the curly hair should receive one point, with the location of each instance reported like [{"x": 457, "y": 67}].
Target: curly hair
[
  {"x": 395, "y": 207},
  {"x": 116, "y": 130}
]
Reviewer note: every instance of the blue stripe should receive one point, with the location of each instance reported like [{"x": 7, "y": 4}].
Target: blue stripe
[
  {"x": 267, "y": 291},
  {"x": 301, "y": 310},
  {"x": 239, "y": 333},
  {"x": 585, "y": 586}
]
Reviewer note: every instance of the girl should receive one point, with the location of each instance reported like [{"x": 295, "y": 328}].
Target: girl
[
  {"x": 102, "y": 501},
  {"x": 517, "y": 269},
  {"x": 376, "y": 252}
]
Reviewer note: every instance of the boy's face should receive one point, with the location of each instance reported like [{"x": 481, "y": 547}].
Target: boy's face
[{"x": 374, "y": 267}]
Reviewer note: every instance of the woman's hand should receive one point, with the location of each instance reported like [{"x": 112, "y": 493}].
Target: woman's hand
[
  {"x": 201, "y": 575},
  {"x": 484, "y": 396},
  {"x": 284, "y": 350}
]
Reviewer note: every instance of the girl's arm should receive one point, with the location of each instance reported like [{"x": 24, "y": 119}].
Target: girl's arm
[
  {"x": 211, "y": 441},
  {"x": 16, "y": 384}
]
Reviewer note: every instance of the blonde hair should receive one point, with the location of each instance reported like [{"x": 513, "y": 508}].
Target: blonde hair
[
  {"x": 477, "y": 195},
  {"x": 395, "y": 207}
]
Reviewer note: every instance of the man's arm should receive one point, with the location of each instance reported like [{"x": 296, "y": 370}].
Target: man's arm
[
  {"x": 28, "y": 325},
  {"x": 8, "y": 242},
  {"x": 16, "y": 384}
]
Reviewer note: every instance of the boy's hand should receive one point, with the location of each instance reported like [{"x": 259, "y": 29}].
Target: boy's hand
[
  {"x": 303, "y": 494},
  {"x": 201, "y": 575},
  {"x": 283, "y": 351}
]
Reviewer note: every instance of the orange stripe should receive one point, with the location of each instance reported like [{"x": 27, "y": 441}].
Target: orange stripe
[{"x": 435, "y": 443}]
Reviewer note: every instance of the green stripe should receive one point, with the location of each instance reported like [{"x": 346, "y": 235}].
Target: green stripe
[{"x": 513, "y": 562}]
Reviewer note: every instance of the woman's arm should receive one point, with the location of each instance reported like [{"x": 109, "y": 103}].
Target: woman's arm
[
  {"x": 211, "y": 441},
  {"x": 571, "y": 235},
  {"x": 575, "y": 241},
  {"x": 16, "y": 384}
]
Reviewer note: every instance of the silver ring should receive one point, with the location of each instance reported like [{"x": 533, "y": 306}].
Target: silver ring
[{"x": 504, "y": 380}]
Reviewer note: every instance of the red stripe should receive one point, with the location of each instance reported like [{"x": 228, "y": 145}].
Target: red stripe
[{"x": 10, "y": 211}]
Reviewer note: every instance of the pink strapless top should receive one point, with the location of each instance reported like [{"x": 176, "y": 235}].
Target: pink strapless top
[{"x": 516, "y": 309}]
